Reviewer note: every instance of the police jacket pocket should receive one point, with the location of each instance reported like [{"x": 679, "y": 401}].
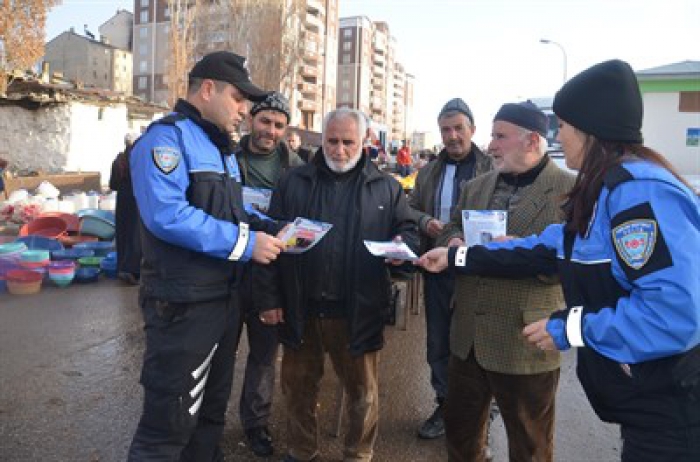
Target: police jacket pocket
[{"x": 686, "y": 373}]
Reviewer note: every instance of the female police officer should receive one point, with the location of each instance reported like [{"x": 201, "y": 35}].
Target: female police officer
[{"x": 628, "y": 260}]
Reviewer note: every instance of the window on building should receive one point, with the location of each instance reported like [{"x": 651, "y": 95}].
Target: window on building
[
  {"x": 94, "y": 75},
  {"x": 345, "y": 83},
  {"x": 143, "y": 49},
  {"x": 143, "y": 32},
  {"x": 346, "y": 58},
  {"x": 689, "y": 101},
  {"x": 144, "y": 16},
  {"x": 143, "y": 66},
  {"x": 346, "y": 96},
  {"x": 167, "y": 12},
  {"x": 347, "y": 33},
  {"x": 144, "y": 3},
  {"x": 142, "y": 83},
  {"x": 347, "y": 46}
]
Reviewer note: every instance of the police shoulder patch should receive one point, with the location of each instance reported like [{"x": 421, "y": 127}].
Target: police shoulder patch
[
  {"x": 166, "y": 158},
  {"x": 635, "y": 241}
]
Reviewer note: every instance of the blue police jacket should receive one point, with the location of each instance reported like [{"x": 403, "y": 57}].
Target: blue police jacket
[
  {"x": 632, "y": 289},
  {"x": 195, "y": 229}
]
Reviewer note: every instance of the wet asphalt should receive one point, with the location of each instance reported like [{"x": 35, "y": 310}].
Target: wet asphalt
[{"x": 70, "y": 361}]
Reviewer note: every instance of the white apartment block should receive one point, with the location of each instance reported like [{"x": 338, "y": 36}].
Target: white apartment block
[
  {"x": 311, "y": 87},
  {"x": 371, "y": 79}
]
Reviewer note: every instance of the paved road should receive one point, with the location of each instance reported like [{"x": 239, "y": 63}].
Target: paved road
[{"x": 69, "y": 365}]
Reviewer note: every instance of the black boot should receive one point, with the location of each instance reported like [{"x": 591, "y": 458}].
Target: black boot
[
  {"x": 434, "y": 427},
  {"x": 260, "y": 441}
]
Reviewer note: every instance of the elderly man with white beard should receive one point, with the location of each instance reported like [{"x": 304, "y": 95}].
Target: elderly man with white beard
[{"x": 335, "y": 297}]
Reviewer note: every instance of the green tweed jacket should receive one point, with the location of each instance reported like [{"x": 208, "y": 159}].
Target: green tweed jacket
[{"x": 490, "y": 313}]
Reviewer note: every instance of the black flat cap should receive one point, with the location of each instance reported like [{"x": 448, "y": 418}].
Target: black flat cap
[
  {"x": 230, "y": 68},
  {"x": 525, "y": 115}
]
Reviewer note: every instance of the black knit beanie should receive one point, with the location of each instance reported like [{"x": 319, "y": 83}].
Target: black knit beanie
[
  {"x": 603, "y": 101},
  {"x": 525, "y": 115}
]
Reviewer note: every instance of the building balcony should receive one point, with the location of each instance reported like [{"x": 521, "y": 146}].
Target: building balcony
[
  {"x": 308, "y": 105},
  {"x": 311, "y": 56},
  {"x": 307, "y": 88},
  {"x": 316, "y": 7},
  {"x": 314, "y": 23},
  {"x": 309, "y": 71}
]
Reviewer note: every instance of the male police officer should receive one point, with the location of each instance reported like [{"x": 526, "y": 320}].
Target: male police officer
[{"x": 195, "y": 233}]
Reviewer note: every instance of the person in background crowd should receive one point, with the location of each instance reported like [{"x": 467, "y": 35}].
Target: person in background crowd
[
  {"x": 196, "y": 235},
  {"x": 627, "y": 259},
  {"x": 335, "y": 297},
  {"x": 3, "y": 165},
  {"x": 262, "y": 156},
  {"x": 437, "y": 188},
  {"x": 128, "y": 239},
  {"x": 404, "y": 161},
  {"x": 294, "y": 143},
  {"x": 489, "y": 358}
]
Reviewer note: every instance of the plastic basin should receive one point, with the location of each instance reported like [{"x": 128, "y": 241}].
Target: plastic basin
[
  {"x": 100, "y": 249},
  {"x": 23, "y": 282},
  {"x": 72, "y": 254},
  {"x": 44, "y": 226},
  {"x": 87, "y": 274},
  {"x": 90, "y": 261},
  {"x": 97, "y": 226},
  {"x": 40, "y": 243}
]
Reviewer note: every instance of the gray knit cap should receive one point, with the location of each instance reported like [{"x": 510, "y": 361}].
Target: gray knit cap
[{"x": 275, "y": 101}]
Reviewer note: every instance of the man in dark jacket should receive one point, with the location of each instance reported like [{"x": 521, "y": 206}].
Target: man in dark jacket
[
  {"x": 128, "y": 238},
  {"x": 335, "y": 297},
  {"x": 262, "y": 156},
  {"x": 434, "y": 197}
]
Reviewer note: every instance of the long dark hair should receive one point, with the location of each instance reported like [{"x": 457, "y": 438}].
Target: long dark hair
[{"x": 599, "y": 157}]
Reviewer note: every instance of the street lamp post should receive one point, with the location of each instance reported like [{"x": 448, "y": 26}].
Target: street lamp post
[{"x": 563, "y": 52}]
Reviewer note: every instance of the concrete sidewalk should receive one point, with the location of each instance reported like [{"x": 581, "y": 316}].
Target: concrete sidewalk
[{"x": 69, "y": 366}]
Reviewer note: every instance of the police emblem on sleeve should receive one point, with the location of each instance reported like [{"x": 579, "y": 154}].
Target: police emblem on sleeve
[
  {"x": 166, "y": 158},
  {"x": 635, "y": 241}
]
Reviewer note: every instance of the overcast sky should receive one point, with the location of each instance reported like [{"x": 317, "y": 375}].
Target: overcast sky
[{"x": 488, "y": 52}]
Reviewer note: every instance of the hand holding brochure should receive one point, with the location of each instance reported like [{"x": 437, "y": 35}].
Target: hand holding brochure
[
  {"x": 391, "y": 250},
  {"x": 481, "y": 226},
  {"x": 303, "y": 234}
]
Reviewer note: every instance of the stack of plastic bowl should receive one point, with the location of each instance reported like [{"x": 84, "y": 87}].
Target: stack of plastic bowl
[
  {"x": 86, "y": 274},
  {"x": 23, "y": 282},
  {"x": 34, "y": 242},
  {"x": 101, "y": 248},
  {"x": 71, "y": 254},
  {"x": 11, "y": 251},
  {"x": 61, "y": 272},
  {"x": 93, "y": 262},
  {"x": 108, "y": 265},
  {"x": 5, "y": 267},
  {"x": 34, "y": 259}
]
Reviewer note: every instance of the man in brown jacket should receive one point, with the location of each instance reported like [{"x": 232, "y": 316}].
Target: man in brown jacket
[
  {"x": 437, "y": 189},
  {"x": 489, "y": 356}
]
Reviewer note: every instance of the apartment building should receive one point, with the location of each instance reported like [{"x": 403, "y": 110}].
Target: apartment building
[
  {"x": 304, "y": 55},
  {"x": 371, "y": 79},
  {"x": 151, "y": 31},
  {"x": 118, "y": 30},
  {"x": 314, "y": 85},
  {"x": 91, "y": 62}
]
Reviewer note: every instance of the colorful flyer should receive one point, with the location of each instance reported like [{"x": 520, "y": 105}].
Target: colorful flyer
[{"x": 303, "y": 234}]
